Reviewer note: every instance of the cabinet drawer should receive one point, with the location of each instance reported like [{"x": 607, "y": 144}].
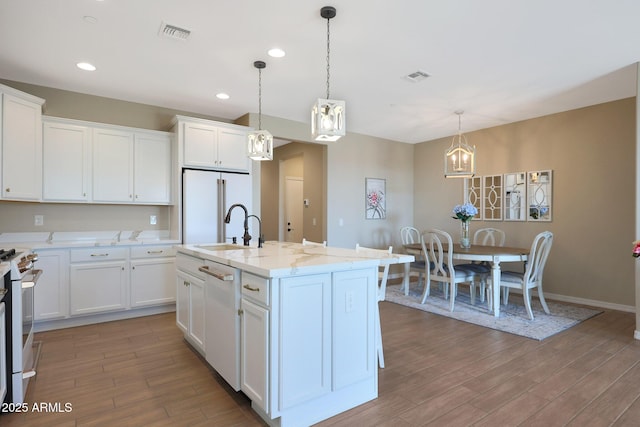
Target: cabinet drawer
[
  {"x": 190, "y": 264},
  {"x": 98, "y": 254},
  {"x": 152, "y": 251},
  {"x": 255, "y": 287}
]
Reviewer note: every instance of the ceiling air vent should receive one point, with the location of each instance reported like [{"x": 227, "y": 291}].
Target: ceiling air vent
[
  {"x": 173, "y": 32},
  {"x": 417, "y": 76}
]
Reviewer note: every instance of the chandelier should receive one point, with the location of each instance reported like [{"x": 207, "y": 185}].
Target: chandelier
[
  {"x": 459, "y": 159},
  {"x": 260, "y": 142},
  {"x": 328, "y": 115}
]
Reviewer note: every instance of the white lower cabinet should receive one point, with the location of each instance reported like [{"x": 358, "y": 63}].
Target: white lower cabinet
[
  {"x": 98, "y": 280},
  {"x": 51, "y": 295},
  {"x": 152, "y": 272},
  {"x": 190, "y": 300}
]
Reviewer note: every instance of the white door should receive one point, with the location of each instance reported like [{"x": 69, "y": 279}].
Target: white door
[{"x": 293, "y": 229}]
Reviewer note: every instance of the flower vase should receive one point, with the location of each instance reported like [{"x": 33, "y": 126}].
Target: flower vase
[{"x": 465, "y": 242}]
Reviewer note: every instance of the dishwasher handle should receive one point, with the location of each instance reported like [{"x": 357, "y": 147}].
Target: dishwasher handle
[{"x": 220, "y": 275}]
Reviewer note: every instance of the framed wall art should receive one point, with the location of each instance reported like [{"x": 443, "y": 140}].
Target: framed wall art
[{"x": 375, "y": 198}]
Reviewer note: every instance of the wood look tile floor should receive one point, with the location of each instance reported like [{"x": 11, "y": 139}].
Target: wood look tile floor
[{"x": 439, "y": 372}]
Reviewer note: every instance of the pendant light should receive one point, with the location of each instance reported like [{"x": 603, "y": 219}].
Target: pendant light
[
  {"x": 260, "y": 142},
  {"x": 328, "y": 115},
  {"x": 459, "y": 159}
]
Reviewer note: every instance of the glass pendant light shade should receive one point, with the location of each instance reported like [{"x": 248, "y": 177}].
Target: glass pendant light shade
[
  {"x": 260, "y": 145},
  {"x": 328, "y": 120},
  {"x": 328, "y": 115},
  {"x": 460, "y": 157},
  {"x": 260, "y": 142}
]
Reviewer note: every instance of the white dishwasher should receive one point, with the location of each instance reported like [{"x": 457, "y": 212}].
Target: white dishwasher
[{"x": 222, "y": 321}]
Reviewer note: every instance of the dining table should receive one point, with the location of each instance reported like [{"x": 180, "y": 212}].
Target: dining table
[{"x": 492, "y": 254}]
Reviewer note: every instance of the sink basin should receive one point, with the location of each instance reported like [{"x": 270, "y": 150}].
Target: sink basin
[{"x": 222, "y": 247}]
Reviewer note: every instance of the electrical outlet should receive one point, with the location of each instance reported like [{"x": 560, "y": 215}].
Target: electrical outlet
[
  {"x": 38, "y": 220},
  {"x": 153, "y": 219}
]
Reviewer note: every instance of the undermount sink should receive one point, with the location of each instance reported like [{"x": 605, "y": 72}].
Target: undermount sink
[{"x": 222, "y": 247}]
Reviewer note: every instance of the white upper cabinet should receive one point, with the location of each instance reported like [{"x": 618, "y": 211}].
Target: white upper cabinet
[
  {"x": 93, "y": 162},
  {"x": 66, "y": 162},
  {"x": 152, "y": 168},
  {"x": 21, "y": 133},
  {"x": 210, "y": 145},
  {"x": 112, "y": 166}
]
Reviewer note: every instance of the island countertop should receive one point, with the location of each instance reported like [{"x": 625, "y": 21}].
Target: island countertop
[{"x": 281, "y": 259}]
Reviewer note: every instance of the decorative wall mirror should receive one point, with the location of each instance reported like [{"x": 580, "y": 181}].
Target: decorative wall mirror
[
  {"x": 539, "y": 196},
  {"x": 492, "y": 197},
  {"x": 473, "y": 194},
  {"x": 515, "y": 196}
]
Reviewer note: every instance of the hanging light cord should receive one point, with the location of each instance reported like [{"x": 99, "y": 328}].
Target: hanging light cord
[
  {"x": 259, "y": 98},
  {"x": 328, "y": 52}
]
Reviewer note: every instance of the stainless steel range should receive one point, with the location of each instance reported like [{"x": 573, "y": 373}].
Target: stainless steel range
[{"x": 19, "y": 321}]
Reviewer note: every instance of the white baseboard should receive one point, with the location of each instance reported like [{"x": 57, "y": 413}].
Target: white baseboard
[{"x": 49, "y": 325}]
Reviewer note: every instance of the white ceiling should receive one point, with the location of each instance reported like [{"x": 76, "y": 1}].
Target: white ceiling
[{"x": 498, "y": 60}]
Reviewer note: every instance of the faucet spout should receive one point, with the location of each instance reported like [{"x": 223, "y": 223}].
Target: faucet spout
[
  {"x": 260, "y": 236},
  {"x": 227, "y": 219}
]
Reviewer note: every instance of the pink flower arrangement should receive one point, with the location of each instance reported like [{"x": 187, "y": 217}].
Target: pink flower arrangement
[{"x": 636, "y": 249}]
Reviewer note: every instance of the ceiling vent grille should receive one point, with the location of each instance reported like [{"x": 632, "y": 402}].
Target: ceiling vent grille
[
  {"x": 417, "y": 76},
  {"x": 173, "y": 32}
]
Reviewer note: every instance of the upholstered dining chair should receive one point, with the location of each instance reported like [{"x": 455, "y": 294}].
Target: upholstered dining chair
[
  {"x": 382, "y": 293},
  {"x": 441, "y": 268},
  {"x": 306, "y": 242},
  {"x": 532, "y": 276},
  {"x": 487, "y": 237},
  {"x": 410, "y": 235}
]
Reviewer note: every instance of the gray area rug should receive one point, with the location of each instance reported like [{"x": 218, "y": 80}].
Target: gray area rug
[{"x": 513, "y": 318}]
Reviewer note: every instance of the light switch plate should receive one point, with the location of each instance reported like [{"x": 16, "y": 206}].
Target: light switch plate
[
  {"x": 38, "y": 220},
  {"x": 153, "y": 219}
]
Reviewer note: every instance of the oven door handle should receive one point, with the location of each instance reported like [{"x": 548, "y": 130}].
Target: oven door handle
[{"x": 35, "y": 275}]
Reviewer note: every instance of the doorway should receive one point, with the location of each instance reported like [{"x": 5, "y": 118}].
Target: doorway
[{"x": 293, "y": 215}]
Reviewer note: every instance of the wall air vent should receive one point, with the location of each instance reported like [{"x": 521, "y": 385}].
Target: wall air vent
[
  {"x": 417, "y": 76},
  {"x": 173, "y": 32}
]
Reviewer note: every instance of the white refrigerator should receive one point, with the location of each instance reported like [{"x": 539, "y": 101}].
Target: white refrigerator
[{"x": 206, "y": 198}]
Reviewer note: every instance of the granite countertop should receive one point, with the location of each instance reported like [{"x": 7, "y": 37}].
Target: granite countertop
[{"x": 281, "y": 259}]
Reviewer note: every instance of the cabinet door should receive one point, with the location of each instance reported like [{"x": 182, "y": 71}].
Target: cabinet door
[
  {"x": 21, "y": 149},
  {"x": 196, "y": 312},
  {"x": 66, "y": 162},
  {"x": 305, "y": 351},
  {"x": 51, "y": 296},
  {"x": 200, "y": 145},
  {"x": 182, "y": 301},
  {"x": 232, "y": 149},
  {"x": 112, "y": 166},
  {"x": 152, "y": 282},
  {"x": 254, "y": 369},
  {"x": 98, "y": 287},
  {"x": 152, "y": 169}
]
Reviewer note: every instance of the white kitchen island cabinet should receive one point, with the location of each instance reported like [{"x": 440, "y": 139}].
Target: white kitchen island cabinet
[{"x": 307, "y": 335}]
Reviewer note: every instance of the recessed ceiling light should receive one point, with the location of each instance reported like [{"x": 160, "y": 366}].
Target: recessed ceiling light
[
  {"x": 90, "y": 19},
  {"x": 222, "y": 95},
  {"x": 276, "y": 52},
  {"x": 86, "y": 66}
]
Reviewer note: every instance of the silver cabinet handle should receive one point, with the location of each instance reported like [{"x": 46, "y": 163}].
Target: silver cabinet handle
[
  {"x": 220, "y": 275},
  {"x": 155, "y": 252},
  {"x": 96, "y": 255}
]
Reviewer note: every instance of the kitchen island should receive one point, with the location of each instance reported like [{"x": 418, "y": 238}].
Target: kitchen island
[{"x": 291, "y": 326}]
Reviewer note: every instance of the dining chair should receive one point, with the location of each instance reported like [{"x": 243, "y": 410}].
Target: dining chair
[
  {"x": 487, "y": 237},
  {"x": 410, "y": 235},
  {"x": 306, "y": 242},
  {"x": 383, "y": 275},
  {"x": 532, "y": 276},
  {"x": 441, "y": 267}
]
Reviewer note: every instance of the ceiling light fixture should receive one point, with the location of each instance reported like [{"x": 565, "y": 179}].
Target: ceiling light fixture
[
  {"x": 222, "y": 95},
  {"x": 276, "y": 52},
  {"x": 260, "y": 142},
  {"x": 460, "y": 157},
  {"x": 328, "y": 115},
  {"x": 86, "y": 66}
]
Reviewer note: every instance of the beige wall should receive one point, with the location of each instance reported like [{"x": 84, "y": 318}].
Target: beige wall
[{"x": 592, "y": 154}]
